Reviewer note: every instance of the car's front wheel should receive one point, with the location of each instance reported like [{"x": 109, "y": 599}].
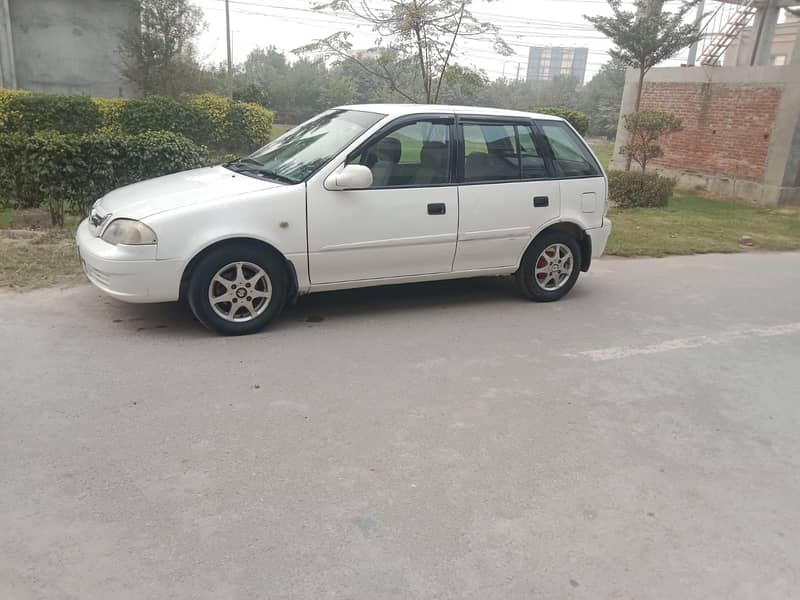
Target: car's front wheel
[
  {"x": 550, "y": 267},
  {"x": 237, "y": 288}
]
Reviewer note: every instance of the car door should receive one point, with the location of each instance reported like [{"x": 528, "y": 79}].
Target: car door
[
  {"x": 506, "y": 193},
  {"x": 406, "y": 224}
]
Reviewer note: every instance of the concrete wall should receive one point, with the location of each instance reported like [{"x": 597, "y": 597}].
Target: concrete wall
[
  {"x": 783, "y": 45},
  {"x": 69, "y": 46},
  {"x": 741, "y": 132}
]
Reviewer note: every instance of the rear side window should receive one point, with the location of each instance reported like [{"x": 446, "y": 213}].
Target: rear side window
[
  {"x": 572, "y": 159},
  {"x": 500, "y": 152}
]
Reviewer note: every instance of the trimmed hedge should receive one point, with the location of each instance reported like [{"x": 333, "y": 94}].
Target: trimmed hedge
[
  {"x": 577, "y": 119},
  {"x": 6, "y": 114},
  {"x": 248, "y": 126},
  {"x": 71, "y": 171},
  {"x": 235, "y": 125},
  {"x": 207, "y": 119},
  {"x": 215, "y": 109},
  {"x": 156, "y": 113},
  {"x": 639, "y": 190},
  {"x": 29, "y": 113},
  {"x": 110, "y": 111}
]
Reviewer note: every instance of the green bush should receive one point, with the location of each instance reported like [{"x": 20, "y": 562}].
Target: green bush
[
  {"x": 6, "y": 115},
  {"x": 215, "y": 110},
  {"x": 156, "y": 113},
  {"x": 646, "y": 128},
  {"x": 577, "y": 119},
  {"x": 248, "y": 127},
  {"x": 639, "y": 190},
  {"x": 52, "y": 112},
  {"x": 252, "y": 93},
  {"x": 71, "y": 171},
  {"x": 157, "y": 153},
  {"x": 110, "y": 111}
]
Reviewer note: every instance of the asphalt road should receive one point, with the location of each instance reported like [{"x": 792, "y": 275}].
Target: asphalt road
[{"x": 637, "y": 440}]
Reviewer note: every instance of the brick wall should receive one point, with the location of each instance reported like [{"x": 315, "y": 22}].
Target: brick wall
[{"x": 726, "y": 127}]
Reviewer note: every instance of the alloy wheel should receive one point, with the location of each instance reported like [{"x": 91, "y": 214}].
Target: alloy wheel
[{"x": 240, "y": 292}]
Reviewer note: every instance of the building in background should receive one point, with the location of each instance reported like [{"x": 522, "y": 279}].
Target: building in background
[
  {"x": 740, "y": 106},
  {"x": 545, "y": 63},
  {"x": 781, "y": 50},
  {"x": 64, "y": 46}
]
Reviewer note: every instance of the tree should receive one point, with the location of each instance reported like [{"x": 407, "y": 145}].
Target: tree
[
  {"x": 646, "y": 127},
  {"x": 158, "y": 54},
  {"x": 423, "y": 31},
  {"x": 601, "y": 98},
  {"x": 338, "y": 91},
  {"x": 646, "y": 36}
]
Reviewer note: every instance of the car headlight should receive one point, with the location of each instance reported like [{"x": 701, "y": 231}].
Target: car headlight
[{"x": 129, "y": 232}]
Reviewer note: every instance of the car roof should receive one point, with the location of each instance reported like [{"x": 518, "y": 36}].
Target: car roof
[{"x": 399, "y": 110}]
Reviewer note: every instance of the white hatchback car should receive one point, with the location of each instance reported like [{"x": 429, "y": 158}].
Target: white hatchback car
[{"x": 357, "y": 196}]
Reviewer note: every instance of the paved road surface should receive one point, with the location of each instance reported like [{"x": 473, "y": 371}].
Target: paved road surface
[{"x": 639, "y": 440}]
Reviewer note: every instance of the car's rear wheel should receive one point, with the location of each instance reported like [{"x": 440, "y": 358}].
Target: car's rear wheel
[
  {"x": 550, "y": 267},
  {"x": 237, "y": 289}
]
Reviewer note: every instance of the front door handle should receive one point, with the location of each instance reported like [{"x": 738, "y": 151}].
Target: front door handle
[
  {"x": 541, "y": 201},
  {"x": 437, "y": 208}
]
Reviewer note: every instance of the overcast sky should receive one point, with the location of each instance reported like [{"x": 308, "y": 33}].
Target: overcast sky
[{"x": 288, "y": 24}]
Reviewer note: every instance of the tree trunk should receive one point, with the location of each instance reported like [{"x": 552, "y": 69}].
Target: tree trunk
[{"x": 632, "y": 134}]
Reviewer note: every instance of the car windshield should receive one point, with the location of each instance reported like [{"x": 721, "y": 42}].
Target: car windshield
[{"x": 300, "y": 152}]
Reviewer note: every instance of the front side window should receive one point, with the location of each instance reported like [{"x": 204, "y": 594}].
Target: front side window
[
  {"x": 572, "y": 159},
  {"x": 300, "y": 152},
  {"x": 416, "y": 155}
]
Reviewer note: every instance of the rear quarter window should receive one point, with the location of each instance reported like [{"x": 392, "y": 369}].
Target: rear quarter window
[{"x": 570, "y": 155}]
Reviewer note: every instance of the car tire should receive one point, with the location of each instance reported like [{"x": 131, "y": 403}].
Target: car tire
[
  {"x": 238, "y": 288},
  {"x": 550, "y": 267}
]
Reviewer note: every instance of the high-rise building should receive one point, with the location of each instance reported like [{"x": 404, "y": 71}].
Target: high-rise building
[{"x": 545, "y": 63}]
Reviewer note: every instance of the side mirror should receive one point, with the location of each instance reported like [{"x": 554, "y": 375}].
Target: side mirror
[{"x": 349, "y": 177}]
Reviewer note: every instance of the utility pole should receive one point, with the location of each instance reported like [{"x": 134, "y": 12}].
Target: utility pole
[
  {"x": 519, "y": 66},
  {"x": 698, "y": 21},
  {"x": 230, "y": 51}
]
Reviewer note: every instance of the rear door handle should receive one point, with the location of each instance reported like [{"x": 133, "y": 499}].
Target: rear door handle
[
  {"x": 438, "y": 208},
  {"x": 541, "y": 201}
]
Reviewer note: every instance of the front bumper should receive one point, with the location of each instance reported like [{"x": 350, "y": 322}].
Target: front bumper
[
  {"x": 129, "y": 273},
  {"x": 599, "y": 237}
]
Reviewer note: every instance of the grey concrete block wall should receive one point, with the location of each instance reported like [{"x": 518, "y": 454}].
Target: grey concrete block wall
[{"x": 69, "y": 46}]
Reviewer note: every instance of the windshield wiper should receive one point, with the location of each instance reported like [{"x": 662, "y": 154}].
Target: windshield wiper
[
  {"x": 243, "y": 165},
  {"x": 273, "y": 175}
]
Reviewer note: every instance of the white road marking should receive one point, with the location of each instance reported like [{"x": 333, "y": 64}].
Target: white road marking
[{"x": 617, "y": 352}]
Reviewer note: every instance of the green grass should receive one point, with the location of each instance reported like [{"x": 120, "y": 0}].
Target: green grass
[
  {"x": 6, "y": 214},
  {"x": 604, "y": 151},
  {"x": 692, "y": 225}
]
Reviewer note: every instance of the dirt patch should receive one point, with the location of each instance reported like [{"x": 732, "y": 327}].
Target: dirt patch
[
  {"x": 30, "y": 218},
  {"x": 32, "y": 259}
]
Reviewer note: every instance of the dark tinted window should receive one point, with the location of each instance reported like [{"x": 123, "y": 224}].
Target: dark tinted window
[
  {"x": 533, "y": 166},
  {"x": 501, "y": 152},
  {"x": 491, "y": 153},
  {"x": 572, "y": 159},
  {"x": 417, "y": 154}
]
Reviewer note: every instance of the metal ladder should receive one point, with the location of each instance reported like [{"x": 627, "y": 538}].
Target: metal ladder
[{"x": 731, "y": 30}]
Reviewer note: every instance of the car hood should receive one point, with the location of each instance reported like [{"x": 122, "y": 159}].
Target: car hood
[{"x": 147, "y": 198}]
